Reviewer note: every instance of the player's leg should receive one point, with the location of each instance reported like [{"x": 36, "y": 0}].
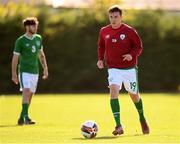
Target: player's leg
[
  {"x": 27, "y": 118},
  {"x": 25, "y": 105},
  {"x": 139, "y": 106},
  {"x": 115, "y": 107},
  {"x": 30, "y": 98},
  {"x": 115, "y": 86},
  {"x": 25, "y": 83},
  {"x": 33, "y": 86},
  {"x": 25, "y": 88},
  {"x": 131, "y": 85},
  {"x": 114, "y": 102}
]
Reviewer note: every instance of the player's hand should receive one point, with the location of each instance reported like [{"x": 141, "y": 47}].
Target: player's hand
[
  {"x": 15, "y": 78},
  {"x": 100, "y": 64},
  {"x": 45, "y": 74},
  {"x": 127, "y": 57}
]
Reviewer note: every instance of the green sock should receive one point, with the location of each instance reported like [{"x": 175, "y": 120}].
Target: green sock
[
  {"x": 139, "y": 107},
  {"x": 24, "y": 112},
  {"x": 21, "y": 115},
  {"x": 115, "y": 110}
]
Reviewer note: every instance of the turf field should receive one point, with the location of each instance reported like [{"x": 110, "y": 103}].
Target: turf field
[{"x": 59, "y": 118}]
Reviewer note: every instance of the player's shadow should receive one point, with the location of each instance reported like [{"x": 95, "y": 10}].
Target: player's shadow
[
  {"x": 6, "y": 126},
  {"x": 133, "y": 135},
  {"x": 108, "y": 137},
  {"x": 101, "y": 137}
]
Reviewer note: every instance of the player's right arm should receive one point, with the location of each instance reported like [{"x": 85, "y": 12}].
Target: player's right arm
[
  {"x": 101, "y": 51},
  {"x": 14, "y": 68},
  {"x": 15, "y": 59}
]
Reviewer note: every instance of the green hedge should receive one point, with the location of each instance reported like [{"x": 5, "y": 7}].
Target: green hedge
[{"x": 70, "y": 43}]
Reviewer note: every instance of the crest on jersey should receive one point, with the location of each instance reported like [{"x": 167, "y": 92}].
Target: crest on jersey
[
  {"x": 122, "y": 36},
  {"x": 33, "y": 49},
  {"x": 38, "y": 43},
  {"x": 27, "y": 44}
]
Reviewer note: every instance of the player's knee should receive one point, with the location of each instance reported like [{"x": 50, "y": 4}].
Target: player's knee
[
  {"x": 114, "y": 91},
  {"x": 26, "y": 95},
  {"x": 135, "y": 97},
  {"x": 114, "y": 87}
]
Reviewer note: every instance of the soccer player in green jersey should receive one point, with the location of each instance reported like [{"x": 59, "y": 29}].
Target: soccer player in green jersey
[{"x": 27, "y": 52}]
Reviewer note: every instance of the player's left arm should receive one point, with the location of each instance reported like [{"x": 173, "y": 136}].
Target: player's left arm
[
  {"x": 43, "y": 61},
  {"x": 137, "y": 44}
]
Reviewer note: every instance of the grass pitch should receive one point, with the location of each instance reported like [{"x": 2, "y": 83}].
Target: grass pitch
[{"x": 59, "y": 118}]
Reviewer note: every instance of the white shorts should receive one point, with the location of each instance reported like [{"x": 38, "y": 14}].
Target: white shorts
[
  {"x": 28, "y": 80},
  {"x": 128, "y": 77}
]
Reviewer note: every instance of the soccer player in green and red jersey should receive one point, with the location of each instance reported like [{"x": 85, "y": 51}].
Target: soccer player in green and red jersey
[
  {"x": 27, "y": 52},
  {"x": 119, "y": 46}
]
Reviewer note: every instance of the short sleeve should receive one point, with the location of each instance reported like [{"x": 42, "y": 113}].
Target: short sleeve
[
  {"x": 41, "y": 47},
  {"x": 17, "y": 49},
  {"x": 39, "y": 41}
]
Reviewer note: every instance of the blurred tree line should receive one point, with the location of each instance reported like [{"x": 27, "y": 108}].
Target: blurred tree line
[{"x": 70, "y": 43}]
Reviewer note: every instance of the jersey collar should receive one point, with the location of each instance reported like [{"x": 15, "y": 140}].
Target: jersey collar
[{"x": 29, "y": 37}]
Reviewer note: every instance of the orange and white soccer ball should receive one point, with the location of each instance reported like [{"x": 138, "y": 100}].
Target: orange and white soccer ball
[{"x": 89, "y": 129}]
